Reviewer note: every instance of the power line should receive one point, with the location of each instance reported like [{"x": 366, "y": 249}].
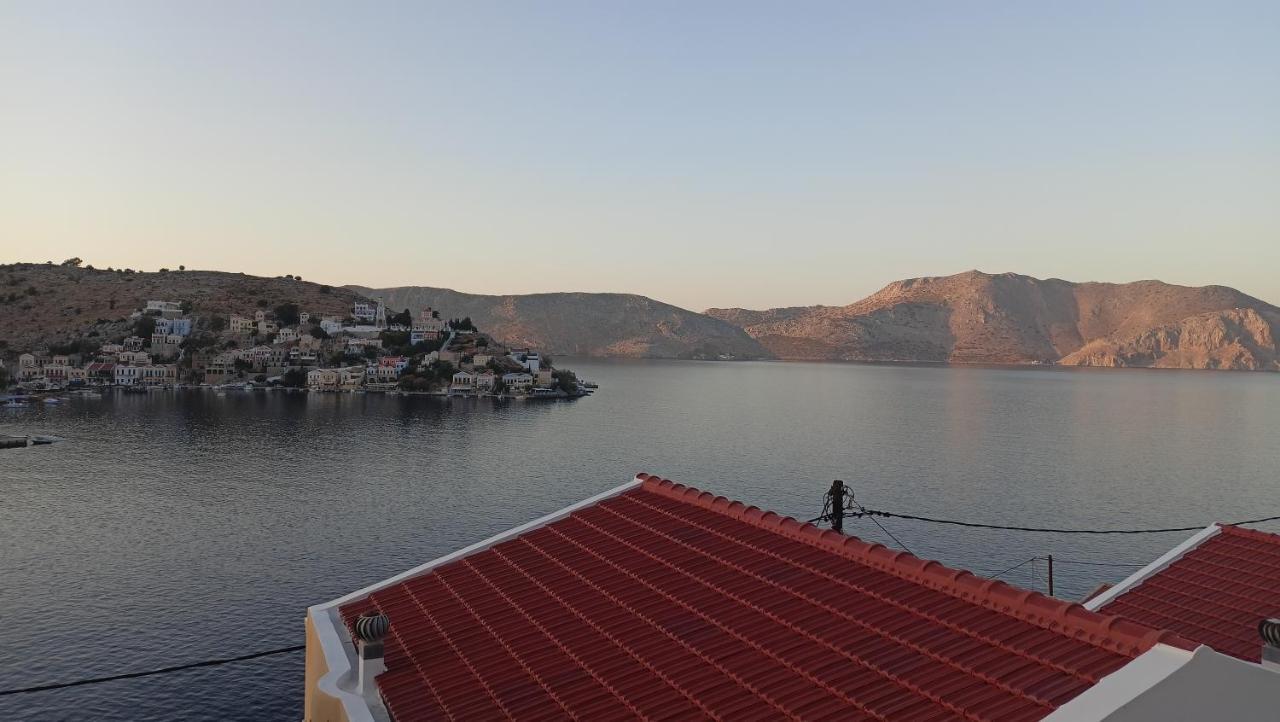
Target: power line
[
  {"x": 1098, "y": 564},
  {"x": 1019, "y": 565},
  {"x": 891, "y": 536},
  {"x": 976, "y": 525},
  {"x": 148, "y": 673}
]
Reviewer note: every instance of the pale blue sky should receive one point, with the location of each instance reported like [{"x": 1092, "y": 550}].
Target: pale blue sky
[{"x": 736, "y": 153}]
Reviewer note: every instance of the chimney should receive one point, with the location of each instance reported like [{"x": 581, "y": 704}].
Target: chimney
[
  {"x": 1269, "y": 630},
  {"x": 371, "y": 627}
]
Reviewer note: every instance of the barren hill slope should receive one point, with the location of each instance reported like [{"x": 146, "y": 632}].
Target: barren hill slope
[
  {"x": 588, "y": 324},
  {"x": 976, "y": 317},
  {"x": 41, "y": 304}
]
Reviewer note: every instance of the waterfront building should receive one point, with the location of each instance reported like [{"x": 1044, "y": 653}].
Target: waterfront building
[
  {"x": 160, "y": 375},
  {"x": 463, "y": 383},
  {"x": 656, "y": 600},
  {"x": 517, "y": 381},
  {"x": 485, "y": 381},
  {"x": 127, "y": 374},
  {"x": 323, "y": 379}
]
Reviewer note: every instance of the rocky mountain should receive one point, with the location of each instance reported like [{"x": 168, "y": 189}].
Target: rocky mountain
[
  {"x": 587, "y": 324},
  {"x": 45, "y": 304},
  {"x": 976, "y": 317}
]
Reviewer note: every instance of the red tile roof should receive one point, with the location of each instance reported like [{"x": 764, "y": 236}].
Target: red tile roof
[
  {"x": 665, "y": 601},
  {"x": 1214, "y": 594}
]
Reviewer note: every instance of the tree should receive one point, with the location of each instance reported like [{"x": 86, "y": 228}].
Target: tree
[
  {"x": 164, "y": 270},
  {"x": 287, "y": 314},
  {"x": 217, "y": 323},
  {"x": 182, "y": 268},
  {"x": 317, "y": 331},
  {"x": 145, "y": 327},
  {"x": 72, "y": 262},
  {"x": 4, "y": 378},
  {"x": 186, "y": 306},
  {"x": 566, "y": 381}
]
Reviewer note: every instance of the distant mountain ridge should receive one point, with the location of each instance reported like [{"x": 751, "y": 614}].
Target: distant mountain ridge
[
  {"x": 586, "y": 324},
  {"x": 976, "y": 317}
]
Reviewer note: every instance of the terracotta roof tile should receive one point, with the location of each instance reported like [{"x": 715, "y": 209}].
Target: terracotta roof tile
[
  {"x": 1215, "y": 594},
  {"x": 669, "y": 602}
]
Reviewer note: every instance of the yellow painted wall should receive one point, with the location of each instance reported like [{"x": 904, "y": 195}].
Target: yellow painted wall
[{"x": 318, "y": 706}]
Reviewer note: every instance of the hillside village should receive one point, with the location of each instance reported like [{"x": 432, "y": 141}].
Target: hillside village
[{"x": 171, "y": 344}]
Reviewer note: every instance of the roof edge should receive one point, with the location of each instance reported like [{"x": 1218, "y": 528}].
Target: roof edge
[
  {"x": 335, "y": 639},
  {"x": 1070, "y": 618},
  {"x": 1122, "y": 686},
  {"x": 1155, "y": 567}
]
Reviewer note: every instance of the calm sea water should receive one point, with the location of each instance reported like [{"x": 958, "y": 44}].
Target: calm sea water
[{"x": 180, "y": 526}]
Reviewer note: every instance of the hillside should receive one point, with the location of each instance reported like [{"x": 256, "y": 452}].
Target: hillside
[
  {"x": 43, "y": 304},
  {"x": 586, "y": 324},
  {"x": 976, "y": 317}
]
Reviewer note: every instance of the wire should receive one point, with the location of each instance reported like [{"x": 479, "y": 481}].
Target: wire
[
  {"x": 1015, "y": 566},
  {"x": 148, "y": 673},
  {"x": 875, "y": 512},
  {"x": 1097, "y": 564},
  {"x": 891, "y": 536}
]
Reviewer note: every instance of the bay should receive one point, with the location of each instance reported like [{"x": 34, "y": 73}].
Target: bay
[{"x": 185, "y": 525}]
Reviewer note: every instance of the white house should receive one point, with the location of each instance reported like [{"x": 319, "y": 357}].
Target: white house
[
  {"x": 485, "y": 381},
  {"x": 162, "y": 307},
  {"x": 127, "y": 375},
  {"x": 134, "y": 343},
  {"x": 463, "y": 382},
  {"x": 530, "y": 360},
  {"x": 287, "y": 335},
  {"x": 331, "y": 324}
]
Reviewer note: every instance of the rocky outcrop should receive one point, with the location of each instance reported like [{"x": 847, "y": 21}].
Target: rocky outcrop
[
  {"x": 1238, "y": 339},
  {"x": 977, "y": 317}
]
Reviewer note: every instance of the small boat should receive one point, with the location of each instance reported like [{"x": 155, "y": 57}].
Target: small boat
[
  {"x": 42, "y": 440},
  {"x": 14, "y": 403},
  {"x": 51, "y": 400}
]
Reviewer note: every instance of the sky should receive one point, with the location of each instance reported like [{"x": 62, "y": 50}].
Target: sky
[{"x": 751, "y": 154}]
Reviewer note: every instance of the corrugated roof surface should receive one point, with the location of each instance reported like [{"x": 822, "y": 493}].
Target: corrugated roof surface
[
  {"x": 1215, "y": 594},
  {"x": 667, "y": 602}
]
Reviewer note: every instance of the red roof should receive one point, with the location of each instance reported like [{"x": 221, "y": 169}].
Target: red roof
[
  {"x": 665, "y": 601},
  {"x": 1214, "y": 594}
]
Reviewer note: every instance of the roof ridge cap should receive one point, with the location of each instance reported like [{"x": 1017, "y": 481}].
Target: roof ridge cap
[
  {"x": 1069, "y": 618},
  {"x": 1258, "y": 534}
]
